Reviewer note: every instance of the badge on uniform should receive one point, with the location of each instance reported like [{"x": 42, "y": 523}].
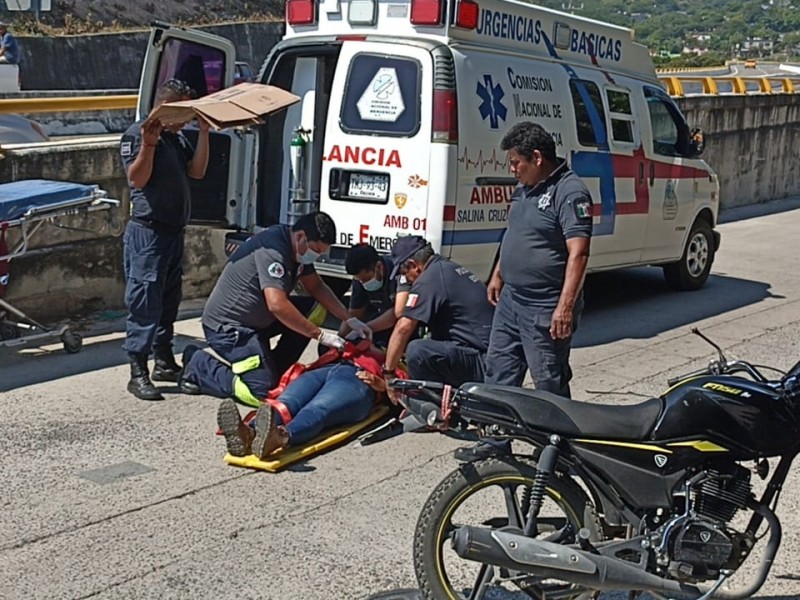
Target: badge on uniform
[
  {"x": 412, "y": 300},
  {"x": 544, "y": 201},
  {"x": 126, "y": 148},
  {"x": 583, "y": 209},
  {"x": 276, "y": 270}
]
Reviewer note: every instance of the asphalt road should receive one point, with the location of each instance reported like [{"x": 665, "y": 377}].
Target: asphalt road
[{"x": 104, "y": 496}]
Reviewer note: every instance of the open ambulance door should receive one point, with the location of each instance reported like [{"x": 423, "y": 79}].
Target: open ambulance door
[{"x": 206, "y": 63}]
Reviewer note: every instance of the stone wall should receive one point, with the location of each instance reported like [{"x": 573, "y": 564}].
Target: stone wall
[{"x": 114, "y": 60}]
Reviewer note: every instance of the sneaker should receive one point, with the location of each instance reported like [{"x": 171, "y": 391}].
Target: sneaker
[
  {"x": 238, "y": 436},
  {"x": 482, "y": 450}
]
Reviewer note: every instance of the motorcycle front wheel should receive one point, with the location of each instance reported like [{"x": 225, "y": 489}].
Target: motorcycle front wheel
[{"x": 491, "y": 493}]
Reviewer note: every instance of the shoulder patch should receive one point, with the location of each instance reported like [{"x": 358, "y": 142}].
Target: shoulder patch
[
  {"x": 276, "y": 270},
  {"x": 412, "y": 300},
  {"x": 583, "y": 208},
  {"x": 126, "y": 148}
]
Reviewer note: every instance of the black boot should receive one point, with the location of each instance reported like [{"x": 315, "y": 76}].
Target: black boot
[
  {"x": 140, "y": 384},
  {"x": 165, "y": 368},
  {"x": 186, "y": 385}
]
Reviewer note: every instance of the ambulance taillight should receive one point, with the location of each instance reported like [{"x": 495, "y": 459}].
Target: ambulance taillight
[
  {"x": 301, "y": 12},
  {"x": 467, "y": 12},
  {"x": 427, "y": 12},
  {"x": 445, "y": 116}
]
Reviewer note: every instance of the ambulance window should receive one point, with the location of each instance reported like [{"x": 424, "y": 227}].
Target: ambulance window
[
  {"x": 670, "y": 132},
  {"x": 619, "y": 108},
  {"x": 202, "y": 67},
  {"x": 382, "y": 95},
  {"x": 590, "y": 117}
]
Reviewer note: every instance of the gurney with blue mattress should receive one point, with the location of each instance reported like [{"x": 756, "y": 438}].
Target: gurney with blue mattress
[{"x": 27, "y": 206}]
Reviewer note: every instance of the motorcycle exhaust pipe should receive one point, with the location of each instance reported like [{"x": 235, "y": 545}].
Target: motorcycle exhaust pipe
[{"x": 549, "y": 560}]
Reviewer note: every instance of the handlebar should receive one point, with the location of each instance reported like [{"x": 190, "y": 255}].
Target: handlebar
[{"x": 716, "y": 367}]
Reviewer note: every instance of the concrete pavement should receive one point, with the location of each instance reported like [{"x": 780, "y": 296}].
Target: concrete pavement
[{"x": 104, "y": 496}]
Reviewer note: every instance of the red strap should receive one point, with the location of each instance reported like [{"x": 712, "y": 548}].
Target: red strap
[{"x": 280, "y": 408}]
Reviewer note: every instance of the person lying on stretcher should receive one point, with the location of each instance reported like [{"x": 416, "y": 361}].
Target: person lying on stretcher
[{"x": 339, "y": 389}]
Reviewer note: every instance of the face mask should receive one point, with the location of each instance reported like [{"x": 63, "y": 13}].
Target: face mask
[
  {"x": 373, "y": 285},
  {"x": 309, "y": 258}
]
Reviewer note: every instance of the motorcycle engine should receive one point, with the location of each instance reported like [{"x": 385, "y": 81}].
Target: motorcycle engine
[{"x": 698, "y": 544}]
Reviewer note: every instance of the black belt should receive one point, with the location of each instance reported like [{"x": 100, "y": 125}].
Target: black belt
[{"x": 157, "y": 226}]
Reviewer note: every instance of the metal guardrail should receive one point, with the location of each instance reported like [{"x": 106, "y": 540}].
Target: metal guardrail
[
  {"x": 73, "y": 104},
  {"x": 676, "y": 85}
]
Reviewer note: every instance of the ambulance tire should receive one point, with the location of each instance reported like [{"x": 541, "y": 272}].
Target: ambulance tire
[{"x": 691, "y": 271}]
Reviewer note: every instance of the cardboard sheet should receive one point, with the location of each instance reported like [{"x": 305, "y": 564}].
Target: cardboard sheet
[{"x": 242, "y": 104}]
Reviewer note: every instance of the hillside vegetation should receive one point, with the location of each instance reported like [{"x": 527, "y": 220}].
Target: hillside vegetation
[{"x": 714, "y": 29}]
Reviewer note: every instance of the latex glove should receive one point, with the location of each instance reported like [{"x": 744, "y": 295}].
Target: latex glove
[
  {"x": 359, "y": 327},
  {"x": 331, "y": 340}
]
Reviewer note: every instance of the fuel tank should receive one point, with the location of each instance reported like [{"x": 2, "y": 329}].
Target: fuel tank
[{"x": 746, "y": 418}]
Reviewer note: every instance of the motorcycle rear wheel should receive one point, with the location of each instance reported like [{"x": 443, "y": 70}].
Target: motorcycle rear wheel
[{"x": 441, "y": 573}]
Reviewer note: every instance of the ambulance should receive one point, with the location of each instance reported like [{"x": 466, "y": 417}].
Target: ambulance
[{"x": 403, "y": 105}]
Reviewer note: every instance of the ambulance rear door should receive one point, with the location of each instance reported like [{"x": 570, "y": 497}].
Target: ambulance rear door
[
  {"x": 377, "y": 152},
  {"x": 206, "y": 63}
]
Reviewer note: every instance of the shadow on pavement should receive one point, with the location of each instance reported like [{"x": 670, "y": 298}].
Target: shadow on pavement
[
  {"x": 742, "y": 213},
  {"x": 638, "y": 303},
  {"x": 30, "y": 365}
]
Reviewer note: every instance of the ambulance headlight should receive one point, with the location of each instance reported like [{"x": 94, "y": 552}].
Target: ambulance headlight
[{"x": 363, "y": 12}]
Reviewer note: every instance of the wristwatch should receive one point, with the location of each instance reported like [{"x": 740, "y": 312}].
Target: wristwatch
[{"x": 388, "y": 371}]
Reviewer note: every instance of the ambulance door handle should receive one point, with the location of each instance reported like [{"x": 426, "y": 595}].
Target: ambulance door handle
[
  {"x": 641, "y": 173},
  {"x": 652, "y": 173}
]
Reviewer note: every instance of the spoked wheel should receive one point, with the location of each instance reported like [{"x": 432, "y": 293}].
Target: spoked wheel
[{"x": 493, "y": 493}]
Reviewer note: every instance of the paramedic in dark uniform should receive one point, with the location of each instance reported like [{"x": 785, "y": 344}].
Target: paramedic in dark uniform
[
  {"x": 376, "y": 297},
  {"x": 537, "y": 284},
  {"x": 251, "y": 303},
  {"x": 453, "y": 303},
  {"x": 159, "y": 161}
]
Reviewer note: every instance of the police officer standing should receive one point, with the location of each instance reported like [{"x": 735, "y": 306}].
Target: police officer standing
[
  {"x": 251, "y": 303},
  {"x": 376, "y": 297},
  {"x": 537, "y": 284},
  {"x": 538, "y": 281},
  {"x": 452, "y": 302},
  {"x": 159, "y": 161}
]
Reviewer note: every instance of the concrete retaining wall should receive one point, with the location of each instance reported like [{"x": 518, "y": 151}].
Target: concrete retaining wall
[
  {"x": 81, "y": 62},
  {"x": 749, "y": 143}
]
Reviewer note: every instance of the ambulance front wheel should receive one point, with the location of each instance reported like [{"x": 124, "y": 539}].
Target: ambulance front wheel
[
  {"x": 72, "y": 342},
  {"x": 692, "y": 270}
]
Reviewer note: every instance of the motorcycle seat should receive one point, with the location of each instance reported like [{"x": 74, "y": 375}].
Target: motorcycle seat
[{"x": 544, "y": 411}]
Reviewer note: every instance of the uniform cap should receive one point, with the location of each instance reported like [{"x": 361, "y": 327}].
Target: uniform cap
[{"x": 403, "y": 249}]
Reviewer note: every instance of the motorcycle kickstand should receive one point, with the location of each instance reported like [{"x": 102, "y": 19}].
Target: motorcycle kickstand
[{"x": 723, "y": 575}]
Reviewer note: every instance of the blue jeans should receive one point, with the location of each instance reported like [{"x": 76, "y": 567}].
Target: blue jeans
[{"x": 325, "y": 398}]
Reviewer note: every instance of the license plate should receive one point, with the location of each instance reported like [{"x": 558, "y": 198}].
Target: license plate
[{"x": 369, "y": 187}]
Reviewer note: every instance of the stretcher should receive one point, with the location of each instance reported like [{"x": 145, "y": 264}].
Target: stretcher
[
  {"x": 27, "y": 206},
  {"x": 326, "y": 441}
]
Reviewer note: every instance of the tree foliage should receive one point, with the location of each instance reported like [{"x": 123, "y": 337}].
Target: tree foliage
[{"x": 672, "y": 25}]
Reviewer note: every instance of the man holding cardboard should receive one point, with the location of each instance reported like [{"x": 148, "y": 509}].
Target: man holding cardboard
[{"x": 159, "y": 161}]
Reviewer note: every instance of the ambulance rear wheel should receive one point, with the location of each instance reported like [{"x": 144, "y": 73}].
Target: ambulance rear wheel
[
  {"x": 72, "y": 342},
  {"x": 692, "y": 270}
]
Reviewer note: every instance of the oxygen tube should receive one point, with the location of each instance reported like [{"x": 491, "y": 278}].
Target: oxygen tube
[{"x": 299, "y": 203}]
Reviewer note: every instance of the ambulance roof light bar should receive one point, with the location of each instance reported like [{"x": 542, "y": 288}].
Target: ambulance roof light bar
[{"x": 301, "y": 12}]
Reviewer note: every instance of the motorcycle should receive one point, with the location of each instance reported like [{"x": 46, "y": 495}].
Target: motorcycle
[{"x": 655, "y": 497}]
